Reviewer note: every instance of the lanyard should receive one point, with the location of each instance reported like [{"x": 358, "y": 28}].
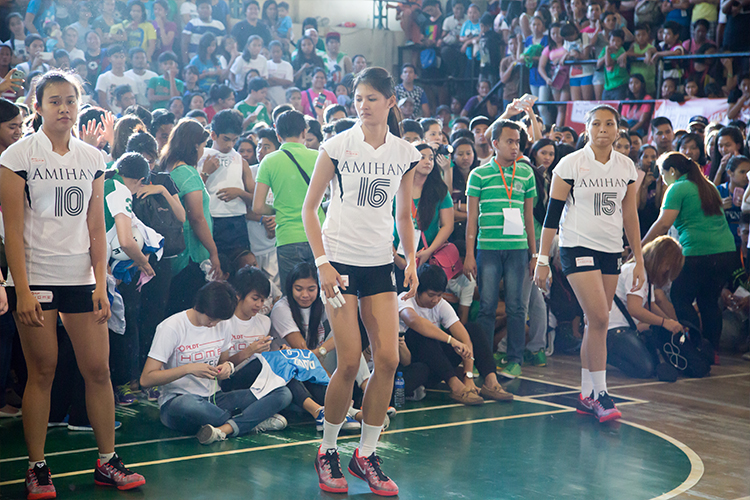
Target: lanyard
[{"x": 512, "y": 181}]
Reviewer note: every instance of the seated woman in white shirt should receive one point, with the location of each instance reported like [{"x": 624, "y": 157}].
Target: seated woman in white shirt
[
  {"x": 299, "y": 321},
  {"x": 647, "y": 308},
  {"x": 250, "y": 332},
  {"x": 187, "y": 358},
  {"x": 425, "y": 318}
]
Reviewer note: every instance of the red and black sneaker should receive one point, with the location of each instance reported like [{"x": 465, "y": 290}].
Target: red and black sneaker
[
  {"x": 605, "y": 409},
  {"x": 585, "y": 405},
  {"x": 114, "y": 473},
  {"x": 39, "y": 483},
  {"x": 368, "y": 469},
  {"x": 330, "y": 477}
]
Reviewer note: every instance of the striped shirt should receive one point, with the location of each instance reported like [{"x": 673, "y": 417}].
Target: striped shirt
[
  {"x": 487, "y": 184},
  {"x": 197, "y": 28}
]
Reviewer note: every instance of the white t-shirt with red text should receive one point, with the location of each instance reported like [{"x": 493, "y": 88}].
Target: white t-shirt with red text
[{"x": 178, "y": 342}]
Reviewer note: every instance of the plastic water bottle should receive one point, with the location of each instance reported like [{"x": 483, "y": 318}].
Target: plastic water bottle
[{"x": 399, "y": 391}]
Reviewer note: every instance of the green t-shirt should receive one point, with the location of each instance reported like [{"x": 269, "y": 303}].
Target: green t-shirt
[
  {"x": 161, "y": 88},
  {"x": 187, "y": 180},
  {"x": 700, "y": 234},
  {"x": 616, "y": 76},
  {"x": 281, "y": 175},
  {"x": 432, "y": 230},
  {"x": 647, "y": 70},
  {"x": 245, "y": 108},
  {"x": 487, "y": 184}
]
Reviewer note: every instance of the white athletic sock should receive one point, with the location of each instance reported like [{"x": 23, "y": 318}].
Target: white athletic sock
[
  {"x": 33, "y": 464},
  {"x": 330, "y": 435},
  {"x": 369, "y": 439},
  {"x": 600, "y": 382},
  {"x": 106, "y": 457},
  {"x": 586, "y": 384}
]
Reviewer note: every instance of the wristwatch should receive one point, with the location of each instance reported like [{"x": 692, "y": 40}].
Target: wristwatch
[
  {"x": 469, "y": 374},
  {"x": 322, "y": 350}
]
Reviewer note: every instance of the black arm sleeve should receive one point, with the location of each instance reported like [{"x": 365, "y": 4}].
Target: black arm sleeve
[{"x": 554, "y": 212}]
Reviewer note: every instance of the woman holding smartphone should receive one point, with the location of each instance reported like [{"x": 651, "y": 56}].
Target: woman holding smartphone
[
  {"x": 317, "y": 98},
  {"x": 591, "y": 225},
  {"x": 56, "y": 250},
  {"x": 357, "y": 238}
]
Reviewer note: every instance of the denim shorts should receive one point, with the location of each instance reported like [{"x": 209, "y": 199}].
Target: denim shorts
[{"x": 580, "y": 81}]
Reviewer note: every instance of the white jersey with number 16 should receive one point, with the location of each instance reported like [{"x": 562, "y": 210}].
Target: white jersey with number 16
[
  {"x": 593, "y": 211},
  {"x": 58, "y": 191},
  {"x": 358, "y": 230}
]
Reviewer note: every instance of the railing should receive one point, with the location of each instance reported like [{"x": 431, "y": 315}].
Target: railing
[{"x": 659, "y": 73}]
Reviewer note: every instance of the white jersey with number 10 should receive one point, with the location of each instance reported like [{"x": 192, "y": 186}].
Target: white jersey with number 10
[{"x": 58, "y": 191}]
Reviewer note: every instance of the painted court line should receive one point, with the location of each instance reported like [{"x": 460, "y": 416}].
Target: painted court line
[
  {"x": 83, "y": 450},
  {"x": 164, "y": 440},
  {"x": 696, "y": 464},
  {"x": 309, "y": 441}
]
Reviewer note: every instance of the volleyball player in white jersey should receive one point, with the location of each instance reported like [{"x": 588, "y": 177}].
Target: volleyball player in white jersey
[
  {"x": 366, "y": 166},
  {"x": 52, "y": 194},
  {"x": 594, "y": 191}
]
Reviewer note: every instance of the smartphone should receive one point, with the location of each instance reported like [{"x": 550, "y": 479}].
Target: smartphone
[
  {"x": 47, "y": 56},
  {"x": 321, "y": 100},
  {"x": 737, "y": 196},
  {"x": 531, "y": 99}
]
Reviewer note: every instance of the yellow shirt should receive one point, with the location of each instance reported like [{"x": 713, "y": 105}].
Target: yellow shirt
[
  {"x": 137, "y": 37},
  {"x": 707, "y": 11}
]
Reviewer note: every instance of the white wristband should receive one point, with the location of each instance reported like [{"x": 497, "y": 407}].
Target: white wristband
[
  {"x": 323, "y": 259},
  {"x": 542, "y": 260}
]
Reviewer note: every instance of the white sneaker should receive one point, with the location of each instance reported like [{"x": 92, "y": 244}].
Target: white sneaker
[
  {"x": 746, "y": 356},
  {"x": 210, "y": 434},
  {"x": 418, "y": 395},
  {"x": 275, "y": 423}
]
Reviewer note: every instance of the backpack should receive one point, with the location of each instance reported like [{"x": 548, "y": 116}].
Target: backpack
[
  {"x": 649, "y": 12},
  {"x": 154, "y": 211}
]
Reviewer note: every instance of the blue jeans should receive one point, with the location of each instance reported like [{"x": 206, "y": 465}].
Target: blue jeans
[
  {"x": 289, "y": 256},
  {"x": 512, "y": 266},
  {"x": 187, "y": 413},
  {"x": 537, "y": 311}
]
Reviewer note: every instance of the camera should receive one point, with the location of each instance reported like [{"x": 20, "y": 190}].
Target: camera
[{"x": 444, "y": 149}]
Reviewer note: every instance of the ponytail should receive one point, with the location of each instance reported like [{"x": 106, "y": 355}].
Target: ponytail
[
  {"x": 394, "y": 118},
  {"x": 709, "y": 195}
]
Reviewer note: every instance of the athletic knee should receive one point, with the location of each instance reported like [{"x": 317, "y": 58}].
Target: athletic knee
[
  {"x": 598, "y": 321},
  {"x": 96, "y": 373},
  {"x": 42, "y": 375},
  {"x": 386, "y": 363},
  {"x": 348, "y": 368}
]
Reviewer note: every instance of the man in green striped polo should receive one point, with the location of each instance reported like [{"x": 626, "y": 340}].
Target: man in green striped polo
[{"x": 501, "y": 224}]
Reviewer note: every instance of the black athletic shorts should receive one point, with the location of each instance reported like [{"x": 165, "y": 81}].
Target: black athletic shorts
[
  {"x": 582, "y": 259},
  {"x": 66, "y": 299},
  {"x": 367, "y": 281}
]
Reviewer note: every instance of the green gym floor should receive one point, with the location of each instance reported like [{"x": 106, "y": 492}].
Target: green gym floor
[{"x": 536, "y": 447}]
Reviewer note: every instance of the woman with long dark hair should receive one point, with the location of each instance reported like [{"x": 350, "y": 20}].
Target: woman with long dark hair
[
  {"x": 729, "y": 142},
  {"x": 60, "y": 270},
  {"x": 305, "y": 62},
  {"x": 207, "y": 62},
  {"x": 357, "y": 238},
  {"x": 220, "y": 97},
  {"x": 464, "y": 159},
  {"x": 591, "y": 243},
  {"x": 180, "y": 157},
  {"x": 693, "y": 205}
]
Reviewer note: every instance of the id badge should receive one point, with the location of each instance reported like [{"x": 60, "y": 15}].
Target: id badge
[{"x": 513, "y": 225}]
